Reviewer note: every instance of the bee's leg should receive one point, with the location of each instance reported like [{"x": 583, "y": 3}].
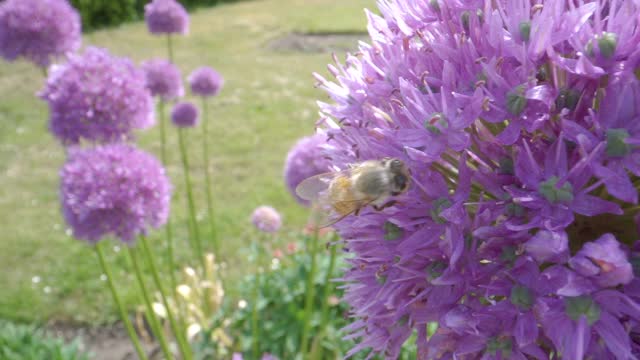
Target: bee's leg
[
  {"x": 385, "y": 205},
  {"x": 356, "y": 212}
]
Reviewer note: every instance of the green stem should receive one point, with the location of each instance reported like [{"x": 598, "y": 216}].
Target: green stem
[
  {"x": 116, "y": 298},
  {"x": 177, "y": 331},
  {"x": 309, "y": 292},
  {"x": 324, "y": 318},
  {"x": 168, "y": 228},
  {"x": 207, "y": 174},
  {"x": 254, "y": 316},
  {"x": 153, "y": 319},
  {"x": 170, "y": 48},
  {"x": 190, "y": 202}
]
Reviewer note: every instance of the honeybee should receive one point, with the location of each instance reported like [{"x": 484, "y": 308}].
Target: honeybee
[{"x": 336, "y": 195}]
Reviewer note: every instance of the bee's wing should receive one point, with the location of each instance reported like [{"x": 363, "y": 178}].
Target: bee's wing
[
  {"x": 313, "y": 188},
  {"x": 323, "y": 214}
]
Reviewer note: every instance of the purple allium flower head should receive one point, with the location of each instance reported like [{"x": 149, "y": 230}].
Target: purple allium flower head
[
  {"x": 184, "y": 115},
  {"x": 163, "y": 79},
  {"x": 205, "y": 81},
  {"x": 237, "y": 356},
  {"x": 166, "y": 17},
  {"x": 98, "y": 98},
  {"x": 266, "y": 219},
  {"x": 38, "y": 30},
  {"x": 305, "y": 159},
  {"x": 519, "y": 123},
  {"x": 113, "y": 189}
]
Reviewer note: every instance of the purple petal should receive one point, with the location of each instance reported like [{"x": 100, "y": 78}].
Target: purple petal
[
  {"x": 526, "y": 329},
  {"x": 548, "y": 246},
  {"x": 591, "y": 205},
  {"x": 614, "y": 335}
]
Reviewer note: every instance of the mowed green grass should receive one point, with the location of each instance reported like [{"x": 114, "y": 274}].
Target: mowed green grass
[{"x": 267, "y": 103}]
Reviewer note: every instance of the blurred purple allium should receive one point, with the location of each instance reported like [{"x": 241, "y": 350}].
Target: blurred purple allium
[
  {"x": 166, "y": 17},
  {"x": 305, "y": 159},
  {"x": 205, "y": 81},
  {"x": 267, "y": 219},
  {"x": 114, "y": 189},
  {"x": 38, "y": 30},
  {"x": 185, "y": 114},
  {"x": 520, "y": 124},
  {"x": 163, "y": 79},
  {"x": 237, "y": 356},
  {"x": 98, "y": 98}
]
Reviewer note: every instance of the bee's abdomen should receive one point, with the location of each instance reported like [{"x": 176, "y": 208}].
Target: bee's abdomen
[{"x": 342, "y": 197}]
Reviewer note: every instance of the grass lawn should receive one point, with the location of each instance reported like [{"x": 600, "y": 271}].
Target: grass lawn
[{"x": 267, "y": 103}]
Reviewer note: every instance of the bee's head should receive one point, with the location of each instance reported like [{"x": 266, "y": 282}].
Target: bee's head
[{"x": 400, "y": 175}]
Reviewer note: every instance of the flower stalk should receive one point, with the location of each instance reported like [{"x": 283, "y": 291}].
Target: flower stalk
[
  {"x": 193, "y": 221},
  {"x": 178, "y": 332},
  {"x": 309, "y": 292},
  {"x": 168, "y": 227},
  {"x": 116, "y": 298},
  {"x": 207, "y": 174},
  {"x": 153, "y": 319},
  {"x": 326, "y": 290}
]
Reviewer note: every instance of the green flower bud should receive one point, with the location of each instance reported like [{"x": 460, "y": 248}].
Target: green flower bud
[
  {"x": 555, "y": 195},
  {"x": 582, "y": 305}
]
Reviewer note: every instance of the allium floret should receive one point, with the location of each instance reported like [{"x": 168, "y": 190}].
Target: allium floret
[
  {"x": 115, "y": 190},
  {"x": 166, "y": 17},
  {"x": 519, "y": 123},
  {"x": 205, "y": 81},
  {"x": 305, "y": 159},
  {"x": 38, "y": 30},
  {"x": 163, "y": 79},
  {"x": 98, "y": 98}
]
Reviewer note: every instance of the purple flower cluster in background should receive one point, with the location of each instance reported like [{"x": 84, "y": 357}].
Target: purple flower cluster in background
[
  {"x": 520, "y": 123},
  {"x": 163, "y": 79},
  {"x": 205, "y": 81},
  {"x": 266, "y": 219},
  {"x": 184, "y": 114},
  {"x": 98, "y": 98},
  {"x": 113, "y": 190},
  {"x": 304, "y": 160},
  {"x": 166, "y": 17},
  {"x": 38, "y": 30}
]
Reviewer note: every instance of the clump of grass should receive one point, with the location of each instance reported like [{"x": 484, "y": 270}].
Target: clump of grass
[{"x": 18, "y": 342}]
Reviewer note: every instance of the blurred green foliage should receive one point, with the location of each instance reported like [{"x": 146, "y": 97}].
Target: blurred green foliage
[
  {"x": 19, "y": 342},
  {"x": 103, "y": 13},
  {"x": 281, "y": 310}
]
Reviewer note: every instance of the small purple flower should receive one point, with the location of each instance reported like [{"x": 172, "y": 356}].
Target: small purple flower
[
  {"x": 266, "y": 219},
  {"x": 38, "y": 30},
  {"x": 185, "y": 115},
  {"x": 604, "y": 261},
  {"x": 113, "y": 190},
  {"x": 237, "y": 356},
  {"x": 548, "y": 246},
  {"x": 305, "y": 159},
  {"x": 166, "y": 17},
  {"x": 205, "y": 81},
  {"x": 163, "y": 79},
  {"x": 98, "y": 98}
]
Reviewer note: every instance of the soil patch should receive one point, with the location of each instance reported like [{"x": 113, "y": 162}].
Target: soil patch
[
  {"x": 317, "y": 42},
  {"x": 103, "y": 342}
]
